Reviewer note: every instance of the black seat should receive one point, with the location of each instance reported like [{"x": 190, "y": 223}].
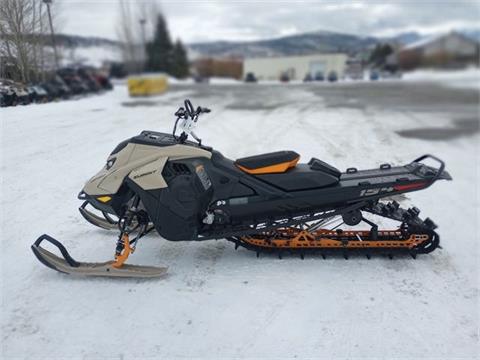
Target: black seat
[
  {"x": 315, "y": 174},
  {"x": 275, "y": 162}
]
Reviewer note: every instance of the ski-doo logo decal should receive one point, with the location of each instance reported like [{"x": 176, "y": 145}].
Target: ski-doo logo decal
[
  {"x": 371, "y": 192},
  {"x": 145, "y": 174},
  {"x": 202, "y": 175}
]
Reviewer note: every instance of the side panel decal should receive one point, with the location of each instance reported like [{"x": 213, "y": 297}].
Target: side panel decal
[{"x": 149, "y": 176}]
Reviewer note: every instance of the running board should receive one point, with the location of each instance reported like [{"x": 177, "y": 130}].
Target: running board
[{"x": 70, "y": 266}]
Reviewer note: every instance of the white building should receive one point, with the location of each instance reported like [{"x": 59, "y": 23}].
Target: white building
[{"x": 295, "y": 67}]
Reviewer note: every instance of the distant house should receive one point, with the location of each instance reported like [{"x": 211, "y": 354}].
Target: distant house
[
  {"x": 210, "y": 67},
  {"x": 452, "y": 50},
  {"x": 295, "y": 67}
]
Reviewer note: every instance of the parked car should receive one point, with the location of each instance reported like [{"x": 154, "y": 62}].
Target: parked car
[
  {"x": 103, "y": 80},
  {"x": 63, "y": 89},
  {"x": 284, "y": 77},
  {"x": 374, "y": 75},
  {"x": 7, "y": 96},
  {"x": 100, "y": 77},
  {"x": 390, "y": 75},
  {"x": 52, "y": 90},
  {"x": 65, "y": 83},
  {"x": 319, "y": 76},
  {"x": 199, "y": 79},
  {"x": 21, "y": 93},
  {"x": 332, "y": 76},
  {"x": 41, "y": 95},
  {"x": 78, "y": 86},
  {"x": 250, "y": 78},
  {"x": 3, "y": 99},
  {"x": 16, "y": 93},
  {"x": 92, "y": 83},
  {"x": 32, "y": 94},
  {"x": 73, "y": 81},
  {"x": 308, "y": 78}
]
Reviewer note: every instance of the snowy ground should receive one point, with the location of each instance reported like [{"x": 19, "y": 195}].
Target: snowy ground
[
  {"x": 221, "y": 303},
  {"x": 466, "y": 78}
]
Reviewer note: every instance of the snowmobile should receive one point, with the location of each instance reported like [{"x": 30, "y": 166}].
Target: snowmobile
[{"x": 268, "y": 203}]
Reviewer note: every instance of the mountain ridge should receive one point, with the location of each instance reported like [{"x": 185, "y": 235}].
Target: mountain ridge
[{"x": 321, "y": 41}]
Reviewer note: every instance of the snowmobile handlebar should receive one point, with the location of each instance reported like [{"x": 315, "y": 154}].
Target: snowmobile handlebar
[
  {"x": 189, "y": 112},
  {"x": 189, "y": 117}
]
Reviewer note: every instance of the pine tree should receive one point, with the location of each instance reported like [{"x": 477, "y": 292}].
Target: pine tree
[
  {"x": 179, "y": 61},
  {"x": 379, "y": 55},
  {"x": 159, "y": 51}
]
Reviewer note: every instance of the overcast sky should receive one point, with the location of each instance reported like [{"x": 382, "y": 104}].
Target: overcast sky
[{"x": 252, "y": 20}]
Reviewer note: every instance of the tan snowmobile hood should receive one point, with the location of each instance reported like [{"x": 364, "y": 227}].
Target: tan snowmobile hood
[{"x": 141, "y": 163}]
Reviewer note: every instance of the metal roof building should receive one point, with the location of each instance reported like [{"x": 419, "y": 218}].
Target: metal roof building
[{"x": 449, "y": 50}]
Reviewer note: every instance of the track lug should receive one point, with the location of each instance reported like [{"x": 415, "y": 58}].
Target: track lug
[
  {"x": 368, "y": 256},
  {"x": 258, "y": 254},
  {"x": 280, "y": 255},
  {"x": 414, "y": 211},
  {"x": 236, "y": 245},
  {"x": 345, "y": 256},
  {"x": 390, "y": 256},
  {"x": 302, "y": 256},
  {"x": 430, "y": 224},
  {"x": 323, "y": 256},
  {"x": 414, "y": 256}
]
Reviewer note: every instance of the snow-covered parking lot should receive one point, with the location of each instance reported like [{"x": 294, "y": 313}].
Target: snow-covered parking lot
[{"x": 218, "y": 302}]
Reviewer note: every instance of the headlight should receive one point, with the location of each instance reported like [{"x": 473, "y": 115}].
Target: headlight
[{"x": 110, "y": 163}]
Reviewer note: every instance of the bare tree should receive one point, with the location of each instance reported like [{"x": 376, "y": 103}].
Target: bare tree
[
  {"x": 127, "y": 35},
  {"x": 22, "y": 40},
  {"x": 135, "y": 22}
]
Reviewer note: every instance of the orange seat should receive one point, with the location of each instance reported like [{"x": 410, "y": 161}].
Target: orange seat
[{"x": 270, "y": 163}]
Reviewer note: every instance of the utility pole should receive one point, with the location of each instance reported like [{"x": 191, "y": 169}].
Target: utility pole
[
  {"x": 144, "y": 43},
  {"x": 48, "y": 3}
]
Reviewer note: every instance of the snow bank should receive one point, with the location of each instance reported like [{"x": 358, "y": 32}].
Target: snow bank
[
  {"x": 224, "y": 81},
  {"x": 174, "y": 80},
  {"x": 468, "y": 78}
]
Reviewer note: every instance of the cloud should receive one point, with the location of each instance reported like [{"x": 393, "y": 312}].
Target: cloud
[{"x": 250, "y": 20}]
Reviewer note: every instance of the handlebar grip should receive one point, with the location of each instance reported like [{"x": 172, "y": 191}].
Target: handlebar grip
[
  {"x": 180, "y": 112},
  {"x": 188, "y": 107}
]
